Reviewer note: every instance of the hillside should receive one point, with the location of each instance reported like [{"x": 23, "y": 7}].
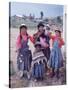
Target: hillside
[{"x": 31, "y": 22}]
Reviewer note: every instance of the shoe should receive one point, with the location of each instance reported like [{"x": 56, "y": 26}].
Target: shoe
[
  {"x": 57, "y": 74},
  {"x": 53, "y": 74}
]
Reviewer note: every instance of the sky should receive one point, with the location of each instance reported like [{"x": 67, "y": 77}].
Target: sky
[{"x": 49, "y": 10}]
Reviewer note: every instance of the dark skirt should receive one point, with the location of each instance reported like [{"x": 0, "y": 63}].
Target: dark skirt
[
  {"x": 24, "y": 59},
  {"x": 56, "y": 58},
  {"x": 46, "y": 52}
]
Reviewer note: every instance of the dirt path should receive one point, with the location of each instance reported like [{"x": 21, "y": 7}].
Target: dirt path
[{"x": 17, "y": 82}]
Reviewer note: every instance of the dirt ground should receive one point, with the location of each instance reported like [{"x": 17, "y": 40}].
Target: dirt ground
[{"x": 16, "y": 82}]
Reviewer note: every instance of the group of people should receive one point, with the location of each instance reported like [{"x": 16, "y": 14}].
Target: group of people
[{"x": 36, "y": 66}]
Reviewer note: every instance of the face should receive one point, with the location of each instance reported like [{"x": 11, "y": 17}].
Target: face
[
  {"x": 38, "y": 48},
  {"x": 57, "y": 33},
  {"x": 41, "y": 29},
  {"x": 23, "y": 31}
]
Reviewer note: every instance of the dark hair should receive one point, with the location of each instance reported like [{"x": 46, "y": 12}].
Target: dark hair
[{"x": 40, "y": 24}]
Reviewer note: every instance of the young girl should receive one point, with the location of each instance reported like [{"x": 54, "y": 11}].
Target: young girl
[
  {"x": 38, "y": 63},
  {"x": 56, "y": 60},
  {"x": 24, "y": 57}
]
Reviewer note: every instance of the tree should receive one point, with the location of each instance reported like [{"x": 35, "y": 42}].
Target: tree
[{"x": 41, "y": 13}]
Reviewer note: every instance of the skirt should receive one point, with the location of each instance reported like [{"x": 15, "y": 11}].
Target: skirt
[
  {"x": 38, "y": 70},
  {"x": 24, "y": 59},
  {"x": 56, "y": 59}
]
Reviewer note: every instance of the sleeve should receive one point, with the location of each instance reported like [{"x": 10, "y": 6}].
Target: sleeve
[
  {"x": 62, "y": 42},
  {"x": 43, "y": 43},
  {"x": 31, "y": 39}
]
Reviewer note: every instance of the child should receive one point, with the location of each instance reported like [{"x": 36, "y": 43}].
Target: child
[
  {"x": 24, "y": 57},
  {"x": 56, "y": 60},
  {"x": 38, "y": 63}
]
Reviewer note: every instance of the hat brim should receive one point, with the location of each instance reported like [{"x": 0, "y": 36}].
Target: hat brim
[
  {"x": 58, "y": 31},
  {"x": 37, "y": 45},
  {"x": 23, "y": 26}
]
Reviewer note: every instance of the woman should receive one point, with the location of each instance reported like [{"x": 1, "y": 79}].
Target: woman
[
  {"x": 43, "y": 39},
  {"x": 24, "y": 57}
]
